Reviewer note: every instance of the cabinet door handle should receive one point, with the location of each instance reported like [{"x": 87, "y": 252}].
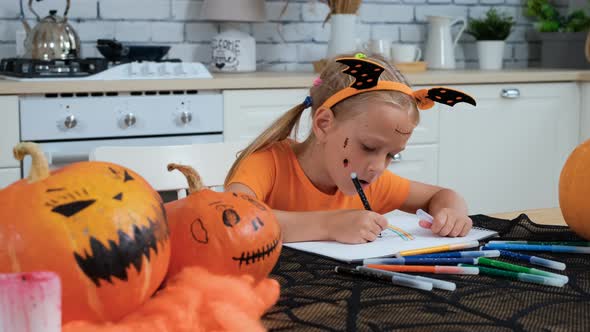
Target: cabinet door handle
[
  {"x": 510, "y": 93},
  {"x": 396, "y": 158}
]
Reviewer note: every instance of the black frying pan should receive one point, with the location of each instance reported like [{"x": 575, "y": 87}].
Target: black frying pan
[{"x": 114, "y": 50}]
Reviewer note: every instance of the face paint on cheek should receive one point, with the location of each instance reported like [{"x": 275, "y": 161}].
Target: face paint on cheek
[{"x": 345, "y": 163}]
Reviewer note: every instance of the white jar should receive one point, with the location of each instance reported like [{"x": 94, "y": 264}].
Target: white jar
[{"x": 233, "y": 51}]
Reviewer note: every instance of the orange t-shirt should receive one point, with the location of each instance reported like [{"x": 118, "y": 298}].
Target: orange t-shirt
[{"x": 276, "y": 177}]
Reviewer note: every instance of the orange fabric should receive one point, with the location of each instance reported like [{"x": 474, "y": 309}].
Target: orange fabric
[
  {"x": 196, "y": 300},
  {"x": 276, "y": 177}
]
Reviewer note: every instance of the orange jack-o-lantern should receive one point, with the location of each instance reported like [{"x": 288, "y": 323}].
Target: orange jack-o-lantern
[
  {"x": 226, "y": 233},
  {"x": 100, "y": 226},
  {"x": 574, "y": 190}
]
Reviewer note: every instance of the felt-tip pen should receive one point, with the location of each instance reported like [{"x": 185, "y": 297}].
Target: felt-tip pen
[{"x": 396, "y": 280}]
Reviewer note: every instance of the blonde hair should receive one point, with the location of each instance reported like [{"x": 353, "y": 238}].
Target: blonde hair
[{"x": 333, "y": 80}]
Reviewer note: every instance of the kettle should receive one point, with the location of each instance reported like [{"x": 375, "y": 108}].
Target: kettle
[
  {"x": 440, "y": 45},
  {"x": 53, "y": 38}
]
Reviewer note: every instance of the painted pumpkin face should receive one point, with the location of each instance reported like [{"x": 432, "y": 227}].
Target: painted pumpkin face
[
  {"x": 100, "y": 226},
  {"x": 227, "y": 233}
]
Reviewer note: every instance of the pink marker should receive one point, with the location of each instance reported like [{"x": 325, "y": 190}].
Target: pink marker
[{"x": 30, "y": 302}]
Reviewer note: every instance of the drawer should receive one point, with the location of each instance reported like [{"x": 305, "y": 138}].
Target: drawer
[
  {"x": 8, "y": 176},
  {"x": 99, "y": 117},
  {"x": 418, "y": 163}
]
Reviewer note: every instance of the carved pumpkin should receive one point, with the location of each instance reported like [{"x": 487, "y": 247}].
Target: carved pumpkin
[
  {"x": 100, "y": 226},
  {"x": 226, "y": 233},
  {"x": 574, "y": 190}
]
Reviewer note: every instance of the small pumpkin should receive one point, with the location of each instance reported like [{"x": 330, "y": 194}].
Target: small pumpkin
[
  {"x": 574, "y": 190},
  {"x": 100, "y": 226},
  {"x": 224, "y": 232}
]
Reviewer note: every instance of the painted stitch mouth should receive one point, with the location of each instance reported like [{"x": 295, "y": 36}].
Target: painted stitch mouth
[
  {"x": 113, "y": 259},
  {"x": 258, "y": 255}
]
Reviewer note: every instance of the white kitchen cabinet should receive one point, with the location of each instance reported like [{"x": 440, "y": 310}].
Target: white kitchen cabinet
[
  {"x": 246, "y": 113},
  {"x": 8, "y": 176},
  {"x": 417, "y": 163},
  {"x": 506, "y": 154},
  {"x": 9, "y": 130},
  {"x": 585, "y": 112}
]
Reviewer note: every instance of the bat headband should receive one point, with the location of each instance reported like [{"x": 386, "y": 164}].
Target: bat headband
[{"x": 366, "y": 74}]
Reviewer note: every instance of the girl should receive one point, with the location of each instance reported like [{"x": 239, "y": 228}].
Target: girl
[{"x": 363, "y": 113}]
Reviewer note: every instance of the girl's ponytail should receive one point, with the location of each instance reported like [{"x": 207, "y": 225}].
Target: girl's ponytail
[{"x": 277, "y": 131}]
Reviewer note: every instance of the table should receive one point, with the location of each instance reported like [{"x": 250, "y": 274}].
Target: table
[
  {"x": 551, "y": 216},
  {"x": 314, "y": 298}
]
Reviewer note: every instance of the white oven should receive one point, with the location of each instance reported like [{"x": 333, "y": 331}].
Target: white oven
[{"x": 68, "y": 126}]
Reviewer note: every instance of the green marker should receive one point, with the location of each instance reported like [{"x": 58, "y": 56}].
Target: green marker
[
  {"x": 519, "y": 268},
  {"x": 536, "y": 279}
]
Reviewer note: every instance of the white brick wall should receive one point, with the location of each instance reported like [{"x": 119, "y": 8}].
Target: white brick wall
[{"x": 286, "y": 43}]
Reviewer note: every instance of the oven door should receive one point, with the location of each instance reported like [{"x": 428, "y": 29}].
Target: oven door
[{"x": 60, "y": 154}]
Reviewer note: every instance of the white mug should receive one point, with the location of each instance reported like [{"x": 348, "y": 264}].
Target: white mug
[
  {"x": 379, "y": 46},
  {"x": 405, "y": 53}
]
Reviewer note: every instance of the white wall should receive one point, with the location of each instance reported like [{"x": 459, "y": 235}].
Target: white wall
[{"x": 178, "y": 23}]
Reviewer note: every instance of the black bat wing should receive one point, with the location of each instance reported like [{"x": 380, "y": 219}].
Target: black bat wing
[
  {"x": 365, "y": 72},
  {"x": 449, "y": 96}
]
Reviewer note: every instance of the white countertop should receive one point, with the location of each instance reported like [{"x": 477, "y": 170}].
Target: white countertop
[{"x": 276, "y": 80}]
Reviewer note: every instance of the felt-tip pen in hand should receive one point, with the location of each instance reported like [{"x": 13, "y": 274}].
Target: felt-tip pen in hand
[{"x": 359, "y": 190}]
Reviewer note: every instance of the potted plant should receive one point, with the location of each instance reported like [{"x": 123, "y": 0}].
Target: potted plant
[
  {"x": 562, "y": 35},
  {"x": 491, "y": 33}
]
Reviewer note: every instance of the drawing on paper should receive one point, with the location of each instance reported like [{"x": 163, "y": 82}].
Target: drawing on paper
[{"x": 401, "y": 233}]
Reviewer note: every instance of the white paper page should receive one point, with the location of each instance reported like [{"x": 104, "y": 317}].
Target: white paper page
[{"x": 409, "y": 236}]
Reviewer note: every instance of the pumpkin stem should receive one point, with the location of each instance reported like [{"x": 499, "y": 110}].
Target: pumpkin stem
[
  {"x": 39, "y": 165},
  {"x": 194, "y": 179}
]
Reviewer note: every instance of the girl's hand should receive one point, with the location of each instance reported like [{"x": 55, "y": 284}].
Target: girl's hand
[
  {"x": 355, "y": 226},
  {"x": 448, "y": 222}
]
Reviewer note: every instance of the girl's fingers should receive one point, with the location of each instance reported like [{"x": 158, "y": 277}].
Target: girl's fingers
[
  {"x": 424, "y": 224},
  {"x": 438, "y": 223},
  {"x": 368, "y": 235},
  {"x": 467, "y": 227},
  {"x": 457, "y": 229},
  {"x": 448, "y": 226}
]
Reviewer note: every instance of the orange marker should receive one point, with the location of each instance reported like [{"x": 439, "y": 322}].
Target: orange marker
[{"x": 437, "y": 269}]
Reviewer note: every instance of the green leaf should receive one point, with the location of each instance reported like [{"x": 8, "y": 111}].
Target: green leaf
[
  {"x": 494, "y": 26},
  {"x": 550, "y": 20}
]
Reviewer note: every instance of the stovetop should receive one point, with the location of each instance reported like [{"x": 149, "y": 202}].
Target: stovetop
[{"x": 21, "y": 69}]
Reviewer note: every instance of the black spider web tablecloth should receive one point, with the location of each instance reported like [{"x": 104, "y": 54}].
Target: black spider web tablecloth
[{"x": 315, "y": 298}]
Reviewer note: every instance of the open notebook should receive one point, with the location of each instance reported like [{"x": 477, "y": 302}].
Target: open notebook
[{"x": 407, "y": 235}]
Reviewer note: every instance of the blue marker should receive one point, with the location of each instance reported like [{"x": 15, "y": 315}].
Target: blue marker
[
  {"x": 423, "y": 215},
  {"x": 461, "y": 254},
  {"x": 538, "y": 247},
  {"x": 534, "y": 260},
  {"x": 418, "y": 261}
]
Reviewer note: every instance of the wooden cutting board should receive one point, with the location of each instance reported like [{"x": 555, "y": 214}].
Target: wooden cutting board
[{"x": 404, "y": 67}]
